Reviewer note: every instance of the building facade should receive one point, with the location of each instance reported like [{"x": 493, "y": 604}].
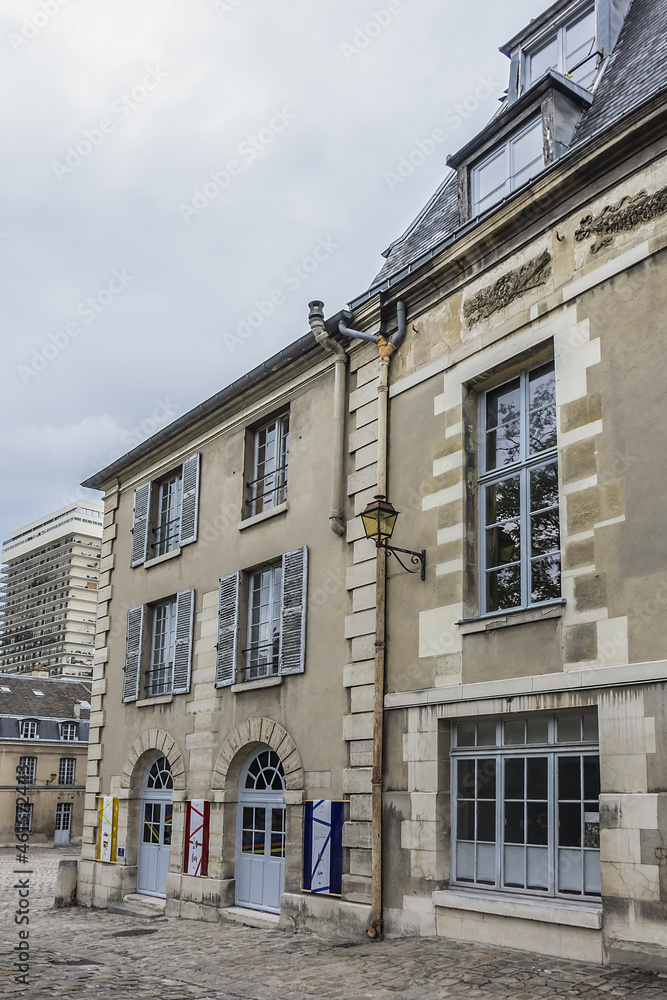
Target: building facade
[
  {"x": 495, "y": 732},
  {"x": 49, "y": 593},
  {"x": 43, "y": 759}
]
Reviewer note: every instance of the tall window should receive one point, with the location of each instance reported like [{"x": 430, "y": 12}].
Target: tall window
[
  {"x": 69, "y": 731},
  {"x": 168, "y": 519},
  {"x": 507, "y": 167},
  {"x": 29, "y": 729},
  {"x": 66, "y": 771},
  {"x": 570, "y": 50},
  {"x": 264, "y": 622},
  {"x": 268, "y": 487},
  {"x": 161, "y": 670},
  {"x": 27, "y": 770},
  {"x": 23, "y": 817},
  {"x": 518, "y": 493},
  {"x": 526, "y": 816}
]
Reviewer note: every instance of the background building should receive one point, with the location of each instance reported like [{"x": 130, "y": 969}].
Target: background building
[
  {"x": 49, "y": 593},
  {"x": 43, "y": 748}
]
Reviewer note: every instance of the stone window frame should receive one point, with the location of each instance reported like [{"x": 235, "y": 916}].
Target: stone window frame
[{"x": 492, "y": 757}]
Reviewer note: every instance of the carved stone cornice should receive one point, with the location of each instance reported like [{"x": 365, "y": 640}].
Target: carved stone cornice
[
  {"x": 507, "y": 288},
  {"x": 629, "y": 213}
]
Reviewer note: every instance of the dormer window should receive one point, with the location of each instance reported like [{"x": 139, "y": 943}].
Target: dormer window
[
  {"x": 570, "y": 50},
  {"x": 29, "y": 729},
  {"x": 507, "y": 167},
  {"x": 68, "y": 731}
]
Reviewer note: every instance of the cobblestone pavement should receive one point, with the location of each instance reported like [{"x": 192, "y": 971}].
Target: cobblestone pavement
[{"x": 82, "y": 953}]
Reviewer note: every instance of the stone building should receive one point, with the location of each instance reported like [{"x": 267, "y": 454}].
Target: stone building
[
  {"x": 496, "y": 731},
  {"x": 43, "y": 758}
]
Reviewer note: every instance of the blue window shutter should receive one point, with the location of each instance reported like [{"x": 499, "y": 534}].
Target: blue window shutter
[
  {"x": 228, "y": 621},
  {"x": 185, "y": 610},
  {"x": 292, "y": 658},
  {"x": 140, "y": 524},
  {"x": 190, "y": 500},
  {"x": 133, "y": 643}
]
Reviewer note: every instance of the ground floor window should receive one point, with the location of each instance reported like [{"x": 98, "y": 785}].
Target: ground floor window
[
  {"x": 23, "y": 819},
  {"x": 526, "y": 816}
]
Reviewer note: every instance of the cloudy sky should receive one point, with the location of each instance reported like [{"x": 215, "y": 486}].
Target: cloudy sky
[{"x": 169, "y": 165}]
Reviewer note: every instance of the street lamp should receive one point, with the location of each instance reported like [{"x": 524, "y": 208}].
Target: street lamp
[{"x": 379, "y": 521}]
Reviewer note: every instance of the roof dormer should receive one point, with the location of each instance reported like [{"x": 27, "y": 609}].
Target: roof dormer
[{"x": 572, "y": 38}]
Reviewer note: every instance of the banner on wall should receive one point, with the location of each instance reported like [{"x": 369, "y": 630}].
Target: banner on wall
[
  {"x": 107, "y": 829},
  {"x": 196, "y": 837},
  {"x": 323, "y": 847}
]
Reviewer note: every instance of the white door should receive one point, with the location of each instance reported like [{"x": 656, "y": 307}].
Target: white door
[
  {"x": 260, "y": 836},
  {"x": 63, "y": 824},
  {"x": 155, "y": 829}
]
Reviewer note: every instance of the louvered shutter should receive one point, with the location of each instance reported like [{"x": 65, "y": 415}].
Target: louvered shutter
[
  {"x": 140, "y": 524},
  {"x": 293, "y": 627},
  {"x": 190, "y": 501},
  {"x": 185, "y": 609},
  {"x": 228, "y": 619},
  {"x": 133, "y": 643}
]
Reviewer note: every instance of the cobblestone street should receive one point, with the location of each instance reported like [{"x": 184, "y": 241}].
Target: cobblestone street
[{"x": 75, "y": 952}]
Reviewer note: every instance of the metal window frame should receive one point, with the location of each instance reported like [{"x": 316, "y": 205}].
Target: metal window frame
[
  {"x": 500, "y": 753},
  {"x": 522, "y": 467},
  {"x": 505, "y": 148},
  {"x": 559, "y": 33},
  {"x": 166, "y": 536},
  {"x": 31, "y": 767}
]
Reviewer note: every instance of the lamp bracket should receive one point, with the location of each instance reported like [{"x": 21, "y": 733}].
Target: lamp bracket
[{"x": 418, "y": 559}]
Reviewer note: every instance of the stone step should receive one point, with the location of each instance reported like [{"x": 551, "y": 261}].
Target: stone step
[
  {"x": 135, "y": 904},
  {"x": 251, "y": 918}
]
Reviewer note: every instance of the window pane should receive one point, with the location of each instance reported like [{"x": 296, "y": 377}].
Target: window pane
[
  {"x": 514, "y": 825},
  {"x": 465, "y": 821},
  {"x": 514, "y": 775},
  {"x": 486, "y": 779},
  {"x": 544, "y": 533},
  {"x": 527, "y": 155},
  {"x": 569, "y": 778},
  {"x": 537, "y": 868},
  {"x": 486, "y": 821},
  {"x": 166, "y": 832},
  {"x": 503, "y": 501},
  {"x": 591, "y": 727},
  {"x": 503, "y": 589},
  {"x": 465, "y": 862},
  {"x": 570, "y": 872},
  {"x": 465, "y": 735},
  {"x": 579, "y": 41},
  {"x": 569, "y": 824},
  {"x": 538, "y": 823},
  {"x": 544, "y": 487},
  {"x": 538, "y": 731},
  {"x": 486, "y": 863},
  {"x": 502, "y": 425},
  {"x": 486, "y": 734},
  {"x": 503, "y": 544},
  {"x": 490, "y": 181},
  {"x": 466, "y": 779},
  {"x": 545, "y": 579},
  {"x": 592, "y": 882},
  {"x": 515, "y": 732},
  {"x": 537, "y": 777},
  {"x": 591, "y": 778},
  {"x": 569, "y": 729},
  {"x": 544, "y": 59},
  {"x": 515, "y": 860}
]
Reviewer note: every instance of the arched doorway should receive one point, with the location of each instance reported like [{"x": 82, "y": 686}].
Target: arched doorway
[
  {"x": 155, "y": 828},
  {"x": 260, "y": 832}
]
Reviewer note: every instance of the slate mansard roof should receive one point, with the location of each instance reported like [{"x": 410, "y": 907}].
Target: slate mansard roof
[
  {"x": 55, "y": 705},
  {"x": 635, "y": 72}
]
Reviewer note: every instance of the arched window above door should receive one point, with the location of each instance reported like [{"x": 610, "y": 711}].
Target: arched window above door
[
  {"x": 265, "y": 773},
  {"x": 159, "y": 776}
]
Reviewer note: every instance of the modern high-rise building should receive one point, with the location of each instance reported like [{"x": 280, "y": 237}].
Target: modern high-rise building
[{"x": 48, "y": 593}]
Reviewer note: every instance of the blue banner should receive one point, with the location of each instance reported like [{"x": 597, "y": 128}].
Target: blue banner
[{"x": 323, "y": 847}]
